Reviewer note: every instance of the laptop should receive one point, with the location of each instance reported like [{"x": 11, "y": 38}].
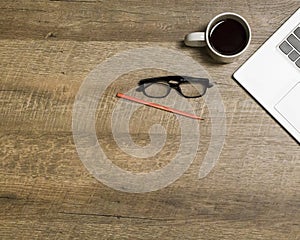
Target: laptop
[{"x": 272, "y": 75}]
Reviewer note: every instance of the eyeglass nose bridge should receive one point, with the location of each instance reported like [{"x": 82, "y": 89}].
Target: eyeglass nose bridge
[{"x": 173, "y": 83}]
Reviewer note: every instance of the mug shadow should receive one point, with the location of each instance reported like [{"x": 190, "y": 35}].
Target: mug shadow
[{"x": 202, "y": 52}]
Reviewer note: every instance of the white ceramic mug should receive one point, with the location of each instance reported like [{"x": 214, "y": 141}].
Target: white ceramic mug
[{"x": 227, "y": 36}]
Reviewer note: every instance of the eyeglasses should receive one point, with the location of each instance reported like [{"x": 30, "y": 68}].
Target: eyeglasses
[{"x": 188, "y": 87}]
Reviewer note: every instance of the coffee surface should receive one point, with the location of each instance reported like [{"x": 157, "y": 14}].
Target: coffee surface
[{"x": 228, "y": 37}]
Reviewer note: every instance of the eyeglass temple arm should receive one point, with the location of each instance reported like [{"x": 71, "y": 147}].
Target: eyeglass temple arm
[
  {"x": 159, "y": 79},
  {"x": 195, "y": 79},
  {"x": 176, "y": 78}
]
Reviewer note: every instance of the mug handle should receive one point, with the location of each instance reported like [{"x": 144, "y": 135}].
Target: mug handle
[{"x": 195, "y": 39}]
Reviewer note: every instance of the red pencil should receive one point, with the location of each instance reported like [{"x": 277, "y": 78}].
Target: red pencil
[{"x": 158, "y": 106}]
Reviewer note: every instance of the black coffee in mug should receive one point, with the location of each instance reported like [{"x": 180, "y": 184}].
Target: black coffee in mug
[{"x": 228, "y": 37}]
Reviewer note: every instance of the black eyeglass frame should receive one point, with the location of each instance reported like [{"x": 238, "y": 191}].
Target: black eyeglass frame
[{"x": 174, "y": 82}]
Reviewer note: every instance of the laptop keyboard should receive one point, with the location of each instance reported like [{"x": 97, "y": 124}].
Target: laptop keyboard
[{"x": 291, "y": 47}]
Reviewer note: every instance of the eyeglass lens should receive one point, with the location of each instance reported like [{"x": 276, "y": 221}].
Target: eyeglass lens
[
  {"x": 157, "y": 90},
  {"x": 195, "y": 89}
]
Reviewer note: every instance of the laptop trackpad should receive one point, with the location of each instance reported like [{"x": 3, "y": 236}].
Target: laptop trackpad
[{"x": 289, "y": 107}]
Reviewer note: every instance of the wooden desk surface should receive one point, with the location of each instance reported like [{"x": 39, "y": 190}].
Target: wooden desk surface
[{"x": 48, "y": 48}]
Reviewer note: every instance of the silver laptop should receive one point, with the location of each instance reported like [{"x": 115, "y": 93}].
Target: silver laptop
[{"x": 272, "y": 75}]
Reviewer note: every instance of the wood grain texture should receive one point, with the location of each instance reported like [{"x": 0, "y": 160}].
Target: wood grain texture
[
  {"x": 131, "y": 20},
  {"x": 47, "y": 193}
]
